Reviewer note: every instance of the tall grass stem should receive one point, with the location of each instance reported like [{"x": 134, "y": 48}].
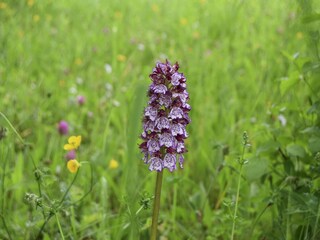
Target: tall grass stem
[
  {"x": 12, "y": 127},
  {"x": 59, "y": 226},
  {"x": 242, "y": 161},
  {"x": 314, "y": 235},
  {"x": 156, "y": 206}
]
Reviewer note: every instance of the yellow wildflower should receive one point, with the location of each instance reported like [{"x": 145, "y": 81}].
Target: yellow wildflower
[
  {"x": 183, "y": 21},
  {"x": 299, "y": 35},
  {"x": 121, "y": 58},
  {"x": 30, "y": 3},
  {"x": 3, "y": 5},
  {"x": 196, "y": 35},
  {"x": 73, "y": 143},
  {"x": 73, "y": 165},
  {"x": 48, "y": 17},
  {"x": 118, "y": 15},
  {"x": 36, "y": 18},
  {"x": 155, "y": 8},
  {"x": 78, "y": 61},
  {"x": 21, "y": 34},
  {"x": 113, "y": 164},
  {"x": 62, "y": 83}
]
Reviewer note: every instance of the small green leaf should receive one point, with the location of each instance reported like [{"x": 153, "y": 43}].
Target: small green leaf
[
  {"x": 315, "y": 108},
  {"x": 290, "y": 57},
  {"x": 288, "y": 82},
  {"x": 301, "y": 61},
  {"x": 311, "y": 130},
  {"x": 310, "y": 67},
  {"x": 288, "y": 166}
]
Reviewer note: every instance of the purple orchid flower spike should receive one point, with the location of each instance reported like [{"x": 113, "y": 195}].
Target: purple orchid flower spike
[{"x": 165, "y": 119}]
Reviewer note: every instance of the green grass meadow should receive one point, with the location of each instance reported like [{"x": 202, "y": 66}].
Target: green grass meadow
[{"x": 251, "y": 66}]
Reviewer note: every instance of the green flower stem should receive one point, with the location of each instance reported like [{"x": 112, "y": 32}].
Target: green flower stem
[
  {"x": 59, "y": 226},
  {"x": 73, "y": 221},
  {"x": 174, "y": 207},
  {"x": 26, "y": 152},
  {"x": 242, "y": 161},
  {"x": 66, "y": 192},
  {"x": 156, "y": 206},
  {"x": 236, "y": 206},
  {"x": 288, "y": 225},
  {"x": 57, "y": 208},
  {"x": 258, "y": 218}
]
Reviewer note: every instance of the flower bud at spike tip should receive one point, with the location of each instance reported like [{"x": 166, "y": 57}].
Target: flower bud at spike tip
[{"x": 165, "y": 119}]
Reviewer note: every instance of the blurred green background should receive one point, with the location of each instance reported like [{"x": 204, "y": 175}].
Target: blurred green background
[{"x": 245, "y": 63}]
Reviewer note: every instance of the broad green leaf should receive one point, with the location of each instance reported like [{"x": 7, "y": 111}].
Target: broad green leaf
[
  {"x": 270, "y": 146},
  {"x": 296, "y": 150},
  {"x": 255, "y": 168},
  {"x": 314, "y": 144}
]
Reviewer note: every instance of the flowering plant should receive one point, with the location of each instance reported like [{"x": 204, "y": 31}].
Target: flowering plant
[
  {"x": 165, "y": 118},
  {"x": 73, "y": 144}
]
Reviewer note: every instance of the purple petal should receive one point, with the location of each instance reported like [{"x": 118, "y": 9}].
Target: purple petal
[
  {"x": 187, "y": 118},
  {"x": 159, "y": 88},
  {"x": 180, "y": 147},
  {"x": 149, "y": 126},
  {"x": 156, "y": 164},
  {"x": 156, "y": 78},
  {"x": 186, "y": 106},
  {"x": 153, "y": 145},
  {"x": 165, "y": 100},
  {"x": 164, "y": 67},
  {"x": 181, "y": 160},
  {"x": 175, "y": 78},
  {"x": 177, "y": 128},
  {"x": 169, "y": 162},
  {"x": 184, "y": 96},
  {"x": 162, "y": 123},
  {"x": 143, "y": 135},
  {"x": 166, "y": 139},
  {"x": 176, "y": 113},
  {"x": 153, "y": 98},
  {"x": 151, "y": 112},
  {"x": 145, "y": 158}
]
